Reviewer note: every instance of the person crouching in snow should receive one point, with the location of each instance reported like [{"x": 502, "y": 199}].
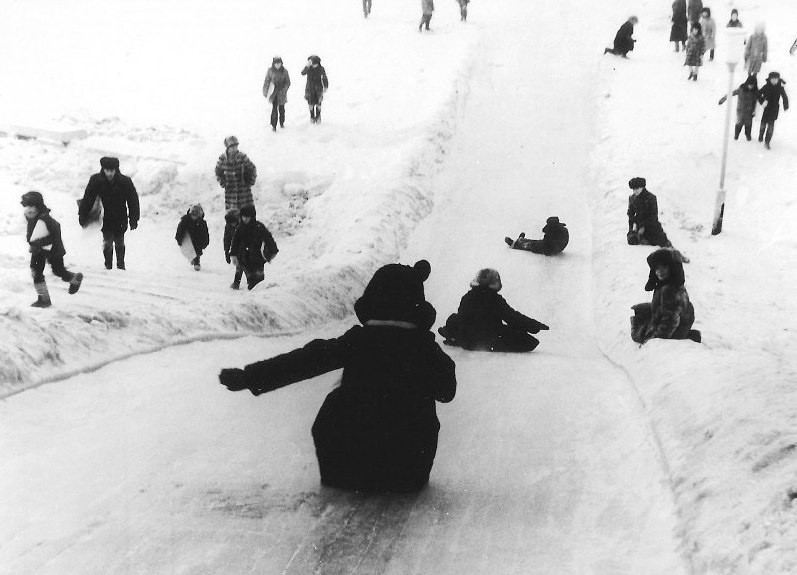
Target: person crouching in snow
[
  {"x": 485, "y": 322},
  {"x": 194, "y": 226},
  {"x": 554, "y": 240},
  {"x": 623, "y": 41},
  {"x": 377, "y": 430},
  {"x": 745, "y": 106},
  {"x": 771, "y": 93},
  {"x": 695, "y": 46},
  {"x": 252, "y": 247},
  {"x": 643, "y": 217},
  {"x": 317, "y": 84},
  {"x": 670, "y": 314},
  {"x": 44, "y": 238},
  {"x": 231, "y": 220}
]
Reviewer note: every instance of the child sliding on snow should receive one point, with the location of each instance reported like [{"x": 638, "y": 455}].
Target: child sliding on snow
[
  {"x": 554, "y": 241},
  {"x": 485, "y": 322},
  {"x": 44, "y": 238},
  {"x": 377, "y": 430},
  {"x": 193, "y": 225}
]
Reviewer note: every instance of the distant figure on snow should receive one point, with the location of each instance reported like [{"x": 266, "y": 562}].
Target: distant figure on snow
[
  {"x": 317, "y": 84},
  {"x": 366, "y": 8},
  {"x": 377, "y": 430},
  {"x": 120, "y": 206},
  {"x": 45, "y": 245},
  {"x": 486, "y": 322},
  {"x": 427, "y": 7},
  {"x": 670, "y": 314},
  {"x": 755, "y": 51},
  {"x": 643, "y": 217},
  {"x": 695, "y": 47},
  {"x": 694, "y": 10},
  {"x": 678, "y": 32},
  {"x": 252, "y": 247},
  {"x": 734, "y": 22},
  {"x": 236, "y": 173},
  {"x": 463, "y": 10},
  {"x": 554, "y": 240},
  {"x": 745, "y": 106},
  {"x": 231, "y": 220},
  {"x": 623, "y": 41},
  {"x": 771, "y": 93},
  {"x": 278, "y": 78},
  {"x": 193, "y": 225},
  {"x": 709, "y": 29}
]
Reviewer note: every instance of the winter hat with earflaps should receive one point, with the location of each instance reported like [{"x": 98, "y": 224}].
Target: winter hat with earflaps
[
  {"x": 395, "y": 293},
  {"x": 230, "y": 141},
  {"x": 197, "y": 210},
  {"x": 672, "y": 259},
  {"x": 775, "y": 75},
  {"x": 248, "y": 211},
  {"x": 314, "y": 59},
  {"x": 232, "y": 216},
  {"x": 34, "y": 199},
  {"x": 635, "y": 183},
  {"x": 276, "y": 59},
  {"x": 487, "y": 277},
  {"x": 108, "y": 163}
]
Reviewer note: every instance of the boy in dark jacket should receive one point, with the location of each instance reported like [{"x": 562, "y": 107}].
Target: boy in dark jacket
[
  {"x": 554, "y": 241},
  {"x": 44, "y": 238},
  {"x": 485, "y": 322},
  {"x": 643, "y": 217},
  {"x": 623, "y": 41},
  {"x": 231, "y": 220},
  {"x": 193, "y": 224},
  {"x": 252, "y": 246},
  {"x": 378, "y": 429},
  {"x": 771, "y": 93},
  {"x": 670, "y": 314},
  {"x": 745, "y": 106},
  {"x": 317, "y": 84}
]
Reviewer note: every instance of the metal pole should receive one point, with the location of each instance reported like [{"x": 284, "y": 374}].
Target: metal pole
[{"x": 719, "y": 205}]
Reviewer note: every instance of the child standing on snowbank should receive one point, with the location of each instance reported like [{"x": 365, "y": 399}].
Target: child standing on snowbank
[
  {"x": 486, "y": 322},
  {"x": 193, "y": 223},
  {"x": 44, "y": 238},
  {"x": 745, "y": 107},
  {"x": 252, "y": 247},
  {"x": 695, "y": 46},
  {"x": 377, "y": 430},
  {"x": 771, "y": 93}
]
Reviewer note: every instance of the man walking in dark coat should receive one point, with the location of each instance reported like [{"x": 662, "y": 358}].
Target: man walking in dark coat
[
  {"x": 643, "y": 217},
  {"x": 120, "y": 205},
  {"x": 771, "y": 93},
  {"x": 623, "y": 41}
]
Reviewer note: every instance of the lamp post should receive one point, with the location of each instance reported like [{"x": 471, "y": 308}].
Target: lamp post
[{"x": 734, "y": 40}]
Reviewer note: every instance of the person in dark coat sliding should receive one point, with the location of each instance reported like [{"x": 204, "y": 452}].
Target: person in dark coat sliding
[
  {"x": 623, "y": 41},
  {"x": 771, "y": 93},
  {"x": 377, "y": 430},
  {"x": 317, "y": 84},
  {"x": 252, "y": 247},
  {"x": 193, "y": 223},
  {"x": 745, "y": 106},
  {"x": 643, "y": 217},
  {"x": 120, "y": 205},
  {"x": 45, "y": 245},
  {"x": 678, "y": 32},
  {"x": 670, "y": 314},
  {"x": 554, "y": 241},
  {"x": 485, "y": 322}
]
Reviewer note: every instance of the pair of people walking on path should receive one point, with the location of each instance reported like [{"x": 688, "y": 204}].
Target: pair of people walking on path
[
  {"x": 749, "y": 95},
  {"x": 278, "y": 80}
]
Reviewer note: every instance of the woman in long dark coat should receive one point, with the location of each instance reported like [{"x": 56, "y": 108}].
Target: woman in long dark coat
[{"x": 678, "y": 32}]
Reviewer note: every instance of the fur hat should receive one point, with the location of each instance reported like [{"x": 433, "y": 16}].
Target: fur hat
[
  {"x": 276, "y": 59},
  {"x": 248, "y": 211},
  {"x": 34, "y": 199},
  {"x": 637, "y": 182},
  {"x": 230, "y": 141},
  {"x": 552, "y": 221},
  {"x": 775, "y": 75},
  {"x": 487, "y": 277},
  {"x": 672, "y": 259},
  {"x": 232, "y": 216},
  {"x": 107, "y": 163},
  {"x": 395, "y": 292},
  {"x": 314, "y": 59},
  {"x": 196, "y": 209}
]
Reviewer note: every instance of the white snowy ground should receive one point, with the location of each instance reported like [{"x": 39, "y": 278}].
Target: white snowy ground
[{"x": 547, "y": 462}]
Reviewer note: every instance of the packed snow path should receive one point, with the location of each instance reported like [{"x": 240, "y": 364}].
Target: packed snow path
[{"x": 546, "y": 462}]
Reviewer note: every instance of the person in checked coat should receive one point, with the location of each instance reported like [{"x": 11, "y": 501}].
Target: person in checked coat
[
  {"x": 278, "y": 78},
  {"x": 695, "y": 47},
  {"x": 236, "y": 173}
]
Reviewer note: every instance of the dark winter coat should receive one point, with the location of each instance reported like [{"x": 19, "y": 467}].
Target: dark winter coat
[
  {"x": 196, "y": 229},
  {"x": 317, "y": 82},
  {"x": 694, "y": 10},
  {"x": 736, "y": 24},
  {"x": 772, "y": 95},
  {"x": 623, "y": 42},
  {"x": 555, "y": 238},
  {"x": 281, "y": 80},
  {"x": 378, "y": 429},
  {"x": 119, "y": 202},
  {"x": 52, "y": 242},
  {"x": 229, "y": 233},
  {"x": 253, "y": 244},
  {"x": 481, "y": 315},
  {"x": 755, "y": 52},
  {"x": 745, "y": 104},
  {"x": 695, "y": 47},
  {"x": 427, "y": 6},
  {"x": 237, "y": 176},
  {"x": 678, "y": 32}
]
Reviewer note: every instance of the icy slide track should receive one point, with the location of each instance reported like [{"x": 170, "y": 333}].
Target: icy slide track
[{"x": 546, "y": 461}]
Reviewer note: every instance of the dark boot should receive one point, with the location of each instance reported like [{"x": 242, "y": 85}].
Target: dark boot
[
  {"x": 120, "y": 257},
  {"x": 736, "y": 131},
  {"x": 318, "y": 116},
  {"x": 312, "y": 115},
  {"x": 44, "y": 295},
  {"x": 74, "y": 283},
  {"x": 761, "y": 132},
  {"x": 509, "y": 241},
  {"x": 107, "y": 253},
  {"x": 695, "y": 335}
]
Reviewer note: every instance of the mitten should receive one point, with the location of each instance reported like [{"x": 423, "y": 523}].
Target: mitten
[
  {"x": 227, "y": 256},
  {"x": 233, "y": 379},
  {"x": 133, "y": 224}
]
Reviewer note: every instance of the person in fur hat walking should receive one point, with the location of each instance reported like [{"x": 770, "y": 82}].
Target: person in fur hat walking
[
  {"x": 756, "y": 49},
  {"x": 770, "y": 95},
  {"x": 119, "y": 204},
  {"x": 486, "y": 322},
  {"x": 643, "y": 217},
  {"x": 747, "y": 94},
  {"x": 231, "y": 220},
  {"x": 670, "y": 314},
  {"x": 317, "y": 84},
  {"x": 236, "y": 173},
  {"x": 278, "y": 78},
  {"x": 45, "y": 245},
  {"x": 252, "y": 247},
  {"x": 427, "y": 9},
  {"x": 377, "y": 430},
  {"x": 554, "y": 241},
  {"x": 193, "y": 225},
  {"x": 695, "y": 47}
]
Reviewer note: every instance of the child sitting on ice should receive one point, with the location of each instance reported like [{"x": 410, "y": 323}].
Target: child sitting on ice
[
  {"x": 251, "y": 248},
  {"x": 485, "y": 322},
  {"x": 377, "y": 430},
  {"x": 193, "y": 225},
  {"x": 554, "y": 240},
  {"x": 44, "y": 238},
  {"x": 670, "y": 314}
]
